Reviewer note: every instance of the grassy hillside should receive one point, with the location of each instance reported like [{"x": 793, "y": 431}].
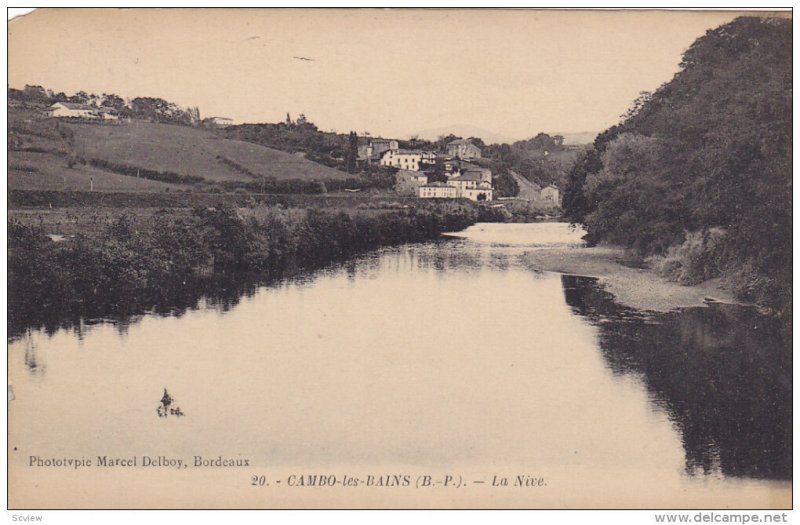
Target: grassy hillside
[
  {"x": 191, "y": 151},
  {"x": 49, "y": 154},
  {"x": 46, "y": 171}
]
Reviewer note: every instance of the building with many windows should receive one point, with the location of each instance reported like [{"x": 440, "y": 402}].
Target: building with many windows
[
  {"x": 436, "y": 190},
  {"x": 482, "y": 192},
  {"x": 471, "y": 186},
  {"x": 404, "y": 159}
]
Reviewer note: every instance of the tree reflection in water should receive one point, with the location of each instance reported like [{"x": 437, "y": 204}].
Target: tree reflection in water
[{"x": 722, "y": 372}]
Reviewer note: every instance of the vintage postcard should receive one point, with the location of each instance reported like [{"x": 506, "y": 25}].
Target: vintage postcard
[{"x": 399, "y": 259}]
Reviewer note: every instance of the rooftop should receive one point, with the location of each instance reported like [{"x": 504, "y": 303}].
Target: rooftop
[
  {"x": 468, "y": 176},
  {"x": 74, "y": 105},
  {"x": 83, "y": 107},
  {"x": 460, "y": 142},
  {"x": 411, "y": 172}
]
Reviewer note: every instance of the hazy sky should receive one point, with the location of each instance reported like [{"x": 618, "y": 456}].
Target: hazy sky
[{"x": 389, "y": 72}]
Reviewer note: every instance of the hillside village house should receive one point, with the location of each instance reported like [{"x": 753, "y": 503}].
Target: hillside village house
[
  {"x": 463, "y": 149},
  {"x": 402, "y": 158},
  {"x": 461, "y": 183},
  {"x": 460, "y": 167},
  {"x": 73, "y": 110},
  {"x": 471, "y": 186},
  {"x": 381, "y": 145},
  {"x": 375, "y": 148},
  {"x": 70, "y": 110},
  {"x": 551, "y": 194},
  {"x": 428, "y": 157},
  {"x": 436, "y": 190},
  {"x": 407, "y": 181},
  {"x": 483, "y": 174},
  {"x": 483, "y": 192},
  {"x": 451, "y": 165}
]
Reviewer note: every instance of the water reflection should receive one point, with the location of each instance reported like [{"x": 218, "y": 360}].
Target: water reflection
[
  {"x": 454, "y": 256},
  {"x": 32, "y": 361},
  {"x": 221, "y": 294},
  {"x": 442, "y": 353},
  {"x": 722, "y": 372}
]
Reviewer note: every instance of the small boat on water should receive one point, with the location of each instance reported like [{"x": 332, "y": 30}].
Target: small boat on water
[
  {"x": 164, "y": 409},
  {"x": 166, "y": 400}
]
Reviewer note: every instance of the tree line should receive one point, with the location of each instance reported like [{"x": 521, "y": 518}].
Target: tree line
[
  {"x": 134, "y": 263},
  {"x": 698, "y": 174},
  {"x": 142, "y": 108}
]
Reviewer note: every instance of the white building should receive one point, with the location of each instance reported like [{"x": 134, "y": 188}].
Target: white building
[
  {"x": 471, "y": 186},
  {"x": 471, "y": 182},
  {"x": 482, "y": 174},
  {"x": 72, "y": 110},
  {"x": 82, "y": 111},
  {"x": 551, "y": 194},
  {"x": 220, "y": 122},
  {"x": 462, "y": 183},
  {"x": 402, "y": 158},
  {"x": 428, "y": 157},
  {"x": 482, "y": 192},
  {"x": 436, "y": 190}
]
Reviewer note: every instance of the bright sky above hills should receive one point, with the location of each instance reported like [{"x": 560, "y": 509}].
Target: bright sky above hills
[{"x": 389, "y": 72}]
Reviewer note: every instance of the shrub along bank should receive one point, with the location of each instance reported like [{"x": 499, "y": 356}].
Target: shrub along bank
[{"x": 137, "y": 263}]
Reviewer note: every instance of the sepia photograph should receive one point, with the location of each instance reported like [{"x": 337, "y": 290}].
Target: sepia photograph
[{"x": 365, "y": 258}]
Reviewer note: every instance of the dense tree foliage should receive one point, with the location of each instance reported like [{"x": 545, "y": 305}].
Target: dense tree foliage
[
  {"x": 142, "y": 108},
  {"x": 302, "y": 135},
  {"x": 159, "y": 110},
  {"x": 574, "y": 200},
  {"x": 137, "y": 263},
  {"x": 709, "y": 150},
  {"x": 543, "y": 159},
  {"x": 352, "y": 152}
]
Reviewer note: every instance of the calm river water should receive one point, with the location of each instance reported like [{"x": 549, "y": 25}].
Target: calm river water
[{"x": 443, "y": 357}]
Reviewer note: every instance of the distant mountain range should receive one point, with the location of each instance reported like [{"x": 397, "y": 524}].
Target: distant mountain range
[
  {"x": 465, "y": 131},
  {"x": 490, "y": 137}
]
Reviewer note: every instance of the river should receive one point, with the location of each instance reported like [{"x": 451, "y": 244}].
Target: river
[{"x": 447, "y": 357}]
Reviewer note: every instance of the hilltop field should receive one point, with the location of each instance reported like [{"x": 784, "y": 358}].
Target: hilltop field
[{"x": 52, "y": 154}]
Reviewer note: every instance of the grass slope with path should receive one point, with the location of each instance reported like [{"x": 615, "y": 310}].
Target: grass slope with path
[{"x": 40, "y": 150}]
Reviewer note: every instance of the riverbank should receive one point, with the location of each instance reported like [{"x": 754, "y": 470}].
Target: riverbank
[
  {"x": 638, "y": 288},
  {"x": 130, "y": 263}
]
